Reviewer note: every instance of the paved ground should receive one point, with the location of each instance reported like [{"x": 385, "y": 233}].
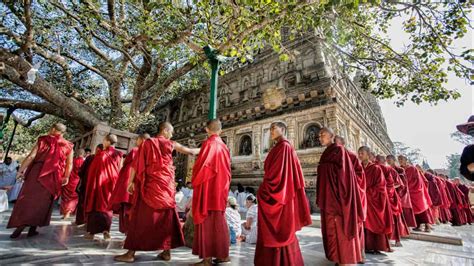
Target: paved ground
[{"x": 64, "y": 243}]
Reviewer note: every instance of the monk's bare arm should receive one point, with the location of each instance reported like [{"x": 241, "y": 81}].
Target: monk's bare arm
[
  {"x": 68, "y": 170},
  {"x": 27, "y": 161},
  {"x": 185, "y": 150},
  {"x": 131, "y": 186}
]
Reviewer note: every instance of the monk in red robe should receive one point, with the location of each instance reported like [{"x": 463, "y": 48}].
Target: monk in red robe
[
  {"x": 359, "y": 171},
  {"x": 120, "y": 202},
  {"x": 433, "y": 191},
  {"x": 378, "y": 224},
  {"x": 45, "y": 170},
  {"x": 81, "y": 187},
  {"x": 403, "y": 192},
  {"x": 103, "y": 174},
  {"x": 400, "y": 228},
  {"x": 154, "y": 223},
  {"x": 211, "y": 181},
  {"x": 466, "y": 201},
  {"x": 337, "y": 195},
  {"x": 457, "y": 213},
  {"x": 69, "y": 197},
  {"x": 420, "y": 197},
  {"x": 283, "y": 207},
  {"x": 444, "y": 211}
]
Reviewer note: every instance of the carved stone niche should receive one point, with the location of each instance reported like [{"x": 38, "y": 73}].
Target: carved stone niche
[
  {"x": 244, "y": 144},
  {"x": 200, "y": 106},
  {"x": 224, "y": 96},
  {"x": 310, "y": 137}
]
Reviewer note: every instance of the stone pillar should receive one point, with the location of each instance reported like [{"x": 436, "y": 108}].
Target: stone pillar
[
  {"x": 291, "y": 127},
  {"x": 257, "y": 144}
]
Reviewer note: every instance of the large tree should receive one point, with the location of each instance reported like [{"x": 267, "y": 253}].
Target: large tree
[
  {"x": 413, "y": 154},
  {"x": 453, "y": 164},
  {"x": 113, "y": 61}
]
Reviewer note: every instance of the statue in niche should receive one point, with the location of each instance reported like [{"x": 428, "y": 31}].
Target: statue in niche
[
  {"x": 259, "y": 80},
  {"x": 274, "y": 73},
  {"x": 311, "y": 137},
  {"x": 245, "y": 147},
  {"x": 224, "y": 96},
  {"x": 199, "y": 108},
  {"x": 254, "y": 92}
]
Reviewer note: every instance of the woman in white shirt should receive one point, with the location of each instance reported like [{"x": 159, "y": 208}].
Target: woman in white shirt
[
  {"x": 249, "y": 227},
  {"x": 233, "y": 219}
]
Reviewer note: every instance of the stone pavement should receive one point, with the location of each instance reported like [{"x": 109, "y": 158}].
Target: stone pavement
[{"x": 63, "y": 243}]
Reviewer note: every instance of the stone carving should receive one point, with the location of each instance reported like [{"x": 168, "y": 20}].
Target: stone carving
[
  {"x": 224, "y": 96},
  {"x": 245, "y": 146},
  {"x": 311, "y": 137},
  {"x": 199, "y": 107},
  {"x": 273, "y": 97}
]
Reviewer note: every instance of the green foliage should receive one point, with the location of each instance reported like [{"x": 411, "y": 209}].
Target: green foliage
[
  {"x": 453, "y": 164},
  {"x": 462, "y": 138}
]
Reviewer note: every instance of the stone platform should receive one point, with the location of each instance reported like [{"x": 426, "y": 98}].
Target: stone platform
[{"x": 62, "y": 243}]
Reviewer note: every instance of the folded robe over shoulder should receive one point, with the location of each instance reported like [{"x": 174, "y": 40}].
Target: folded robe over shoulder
[
  {"x": 155, "y": 162},
  {"x": 379, "y": 213},
  {"x": 433, "y": 190},
  {"x": 420, "y": 198},
  {"x": 283, "y": 207},
  {"x": 211, "y": 178},
  {"x": 120, "y": 194},
  {"x": 101, "y": 179},
  {"x": 337, "y": 189}
]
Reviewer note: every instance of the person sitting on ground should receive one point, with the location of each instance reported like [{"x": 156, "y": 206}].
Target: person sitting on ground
[
  {"x": 249, "y": 227},
  {"x": 241, "y": 197},
  {"x": 233, "y": 219}
]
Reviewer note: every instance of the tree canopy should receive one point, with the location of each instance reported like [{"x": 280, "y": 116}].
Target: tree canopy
[{"x": 113, "y": 61}]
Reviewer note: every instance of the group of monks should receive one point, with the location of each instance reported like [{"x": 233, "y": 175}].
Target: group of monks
[
  {"x": 364, "y": 202},
  {"x": 367, "y": 200}
]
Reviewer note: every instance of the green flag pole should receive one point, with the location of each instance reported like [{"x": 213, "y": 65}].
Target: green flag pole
[{"x": 214, "y": 59}]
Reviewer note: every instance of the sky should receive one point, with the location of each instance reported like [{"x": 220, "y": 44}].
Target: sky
[{"x": 425, "y": 126}]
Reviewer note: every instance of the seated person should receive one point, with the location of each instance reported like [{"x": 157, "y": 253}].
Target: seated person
[
  {"x": 249, "y": 227},
  {"x": 232, "y": 216},
  {"x": 181, "y": 202}
]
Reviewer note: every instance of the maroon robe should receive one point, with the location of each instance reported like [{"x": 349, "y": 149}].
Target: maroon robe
[
  {"x": 457, "y": 212},
  {"x": 154, "y": 222},
  {"x": 211, "y": 181},
  {"x": 404, "y": 193},
  {"x": 444, "y": 211},
  {"x": 420, "y": 198},
  {"x": 69, "y": 197},
  {"x": 283, "y": 208},
  {"x": 342, "y": 212},
  {"x": 81, "y": 190},
  {"x": 103, "y": 174},
  {"x": 400, "y": 228},
  {"x": 42, "y": 185},
  {"x": 378, "y": 224},
  {"x": 120, "y": 201},
  {"x": 467, "y": 204}
]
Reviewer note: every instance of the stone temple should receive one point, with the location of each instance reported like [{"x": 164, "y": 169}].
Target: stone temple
[{"x": 306, "y": 93}]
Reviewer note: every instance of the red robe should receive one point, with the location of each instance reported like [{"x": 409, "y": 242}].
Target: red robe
[
  {"x": 378, "y": 224},
  {"x": 42, "y": 185},
  {"x": 283, "y": 208},
  {"x": 420, "y": 197},
  {"x": 338, "y": 198},
  {"x": 404, "y": 194},
  {"x": 103, "y": 173},
  {"x": 467, "y": 204},
  {"x": 81, "y": 190},
  {"x": 154, "y": 222},
  {"x": 211, "y": 181},
  {"x": 69, "y": 197},
  {"x": 120, "y": 200},
  {"x": 458, "y": 215},
  {"x": 444, "y": 211}
]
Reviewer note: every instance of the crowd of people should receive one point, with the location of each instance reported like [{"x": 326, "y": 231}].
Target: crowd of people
[{"x": 365, "y": 200}]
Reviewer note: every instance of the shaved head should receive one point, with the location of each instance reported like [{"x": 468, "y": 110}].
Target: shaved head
[
  {"x": 144, "y": 136},
  {"x": 380, "y": 158},
  {"x": 81, "y": 152},
  {"x": 390, "y": 157},
  {"x": 365, "y": 148},
  {"x": 327, "y": 130},
  {"x": 214, "y": 125},
  {"x": 339, "y": 140},
  {"x": 58, "y": 128},
  {"x": 165, "y": 125}
]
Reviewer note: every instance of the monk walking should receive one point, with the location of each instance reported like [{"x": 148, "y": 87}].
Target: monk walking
[
  {"x": 81, "y": 187},
  {"x": 466, "y": 201},
  {"x": 283, "y": 207},
  {"x": 101, "y": 178},
  {"x": 337, "y": 195},
  {"x": 211, "y": 181},
  {"x": 120, "y": 202},
  {"x": 400, "y": 228},
  {"x": 433, "y": 191},
  {"x": 420, "y": 198},
  {"x": 69, "y": 197},
  {"x": 378, "y": 225},
  {"x": 403, "y": 192},
  {"x": 154, "y": 223},
  {"x": 45, "y": 169}
]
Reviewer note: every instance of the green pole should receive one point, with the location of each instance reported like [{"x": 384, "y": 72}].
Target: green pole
[{"x": 214, "y": 59}]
